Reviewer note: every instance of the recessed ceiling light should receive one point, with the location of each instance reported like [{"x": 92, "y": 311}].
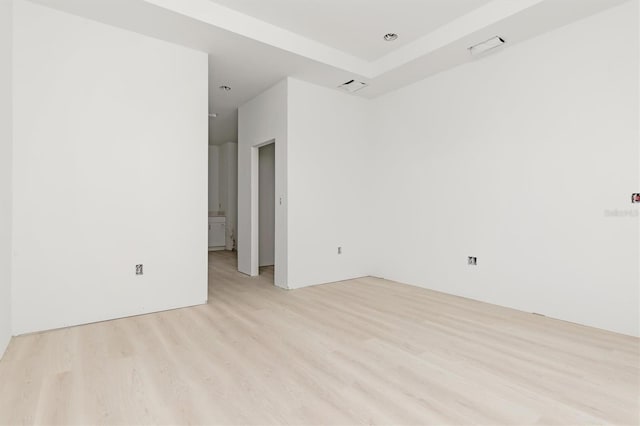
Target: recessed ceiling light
[
  {"x": 224, "y": 88},
  {"x": 390, "y": 37}
]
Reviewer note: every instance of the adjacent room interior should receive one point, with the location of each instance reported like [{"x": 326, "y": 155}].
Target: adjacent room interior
[{"x": 330, "y": 212}]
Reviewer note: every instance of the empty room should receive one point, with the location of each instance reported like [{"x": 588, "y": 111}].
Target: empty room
[{"x": 319, "y": 212}]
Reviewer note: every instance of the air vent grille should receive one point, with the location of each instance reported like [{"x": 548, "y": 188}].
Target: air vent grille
[
  {"x": 352, "y": 86},
  {"x": 486, "y": 45}
]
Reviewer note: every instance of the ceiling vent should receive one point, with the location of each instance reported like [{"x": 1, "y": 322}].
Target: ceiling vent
[
  {"x": 352, "y": 86},
  {"x": 486, "y": 45}
]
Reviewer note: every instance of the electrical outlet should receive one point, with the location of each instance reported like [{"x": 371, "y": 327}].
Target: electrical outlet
[
  {"x": 139, "y": 270},
  {"x": 471, "y": 260},
  {"x": 339, "y": 250}
]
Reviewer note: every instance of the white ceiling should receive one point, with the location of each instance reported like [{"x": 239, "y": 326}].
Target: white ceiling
[
  {"x": 253, "y": 44},
  {"x": 357, "y": 27}
]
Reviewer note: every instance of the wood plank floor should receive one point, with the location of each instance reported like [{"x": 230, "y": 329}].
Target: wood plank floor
[{"x": 365, "y": 351}]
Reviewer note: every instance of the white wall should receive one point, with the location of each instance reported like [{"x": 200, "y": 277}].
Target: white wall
[
  {"x": 329, "y": 184},
  {"x": 517, "y": 159},
  {"x": 6, "y": 125},
  {"x": 214, "y": 178},
  {"x": 110, "y": 170},
  {"x": 525, "y": 159},
  {"x": 322, "y": 146},
  {"x": 260, "y": 121},
  {"x": 266, "y": 204},
  {"x": 223, "y": 176}
]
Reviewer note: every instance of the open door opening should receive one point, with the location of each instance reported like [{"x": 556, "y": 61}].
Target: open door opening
[
  {"x": 223, "y": 202},
  {"x": 266, "y": 210}
]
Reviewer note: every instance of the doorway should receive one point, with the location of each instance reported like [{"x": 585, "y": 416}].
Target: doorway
[
  {"x": 266, "y": 209},
  {"x": 249, "y": 210}
]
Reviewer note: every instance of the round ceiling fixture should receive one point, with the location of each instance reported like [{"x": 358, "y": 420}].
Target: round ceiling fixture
[
  {"x": 224, "y": 88},
  {"x": 390, "y": 36}
]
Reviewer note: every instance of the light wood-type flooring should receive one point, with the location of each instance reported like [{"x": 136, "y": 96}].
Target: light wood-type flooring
[{"x": 365, "y": 351}]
